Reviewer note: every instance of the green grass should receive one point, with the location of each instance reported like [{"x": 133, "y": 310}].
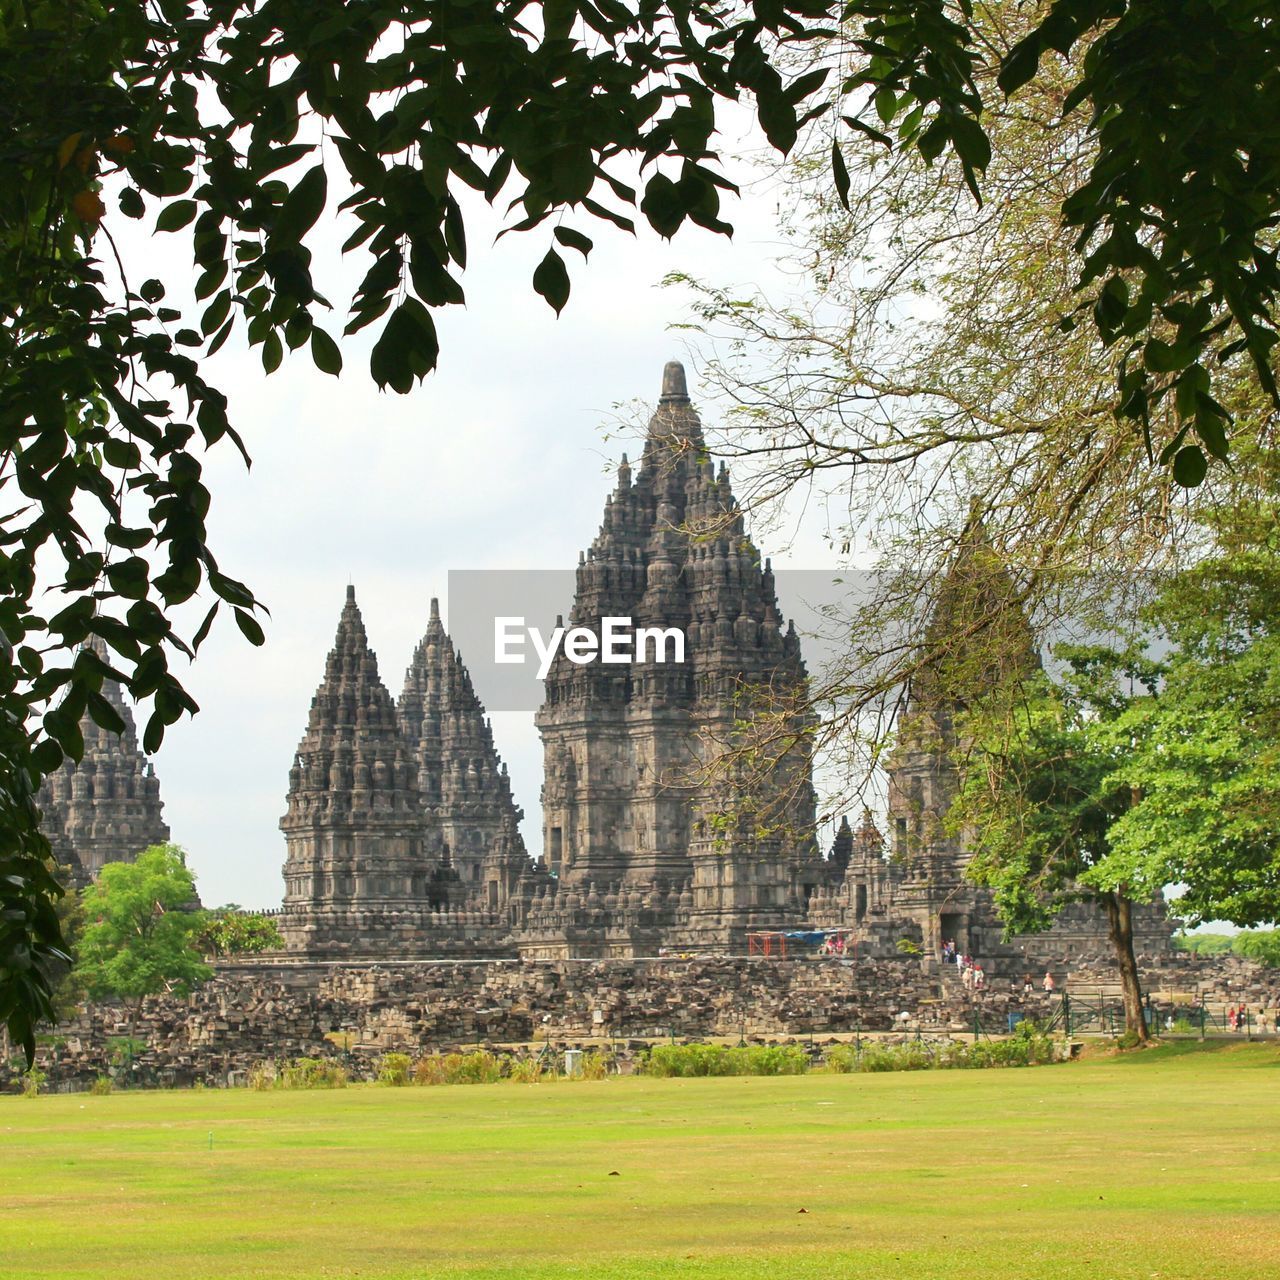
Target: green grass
[{"x": 1163, "y": 1164}]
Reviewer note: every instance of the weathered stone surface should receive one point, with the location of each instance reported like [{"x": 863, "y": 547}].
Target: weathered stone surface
[{"x": 255, "y": 1013}]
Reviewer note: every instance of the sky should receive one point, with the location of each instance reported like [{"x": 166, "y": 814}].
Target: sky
[{"x": 500, "y": 459}]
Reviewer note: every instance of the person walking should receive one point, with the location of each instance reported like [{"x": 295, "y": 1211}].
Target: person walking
[{"x": 1049, "y": 985}]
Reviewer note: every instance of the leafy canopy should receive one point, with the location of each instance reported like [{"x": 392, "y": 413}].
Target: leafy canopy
[
  {"x": 229, "y": 931},
  {"x": 225, "y": 119},
  {"x": 141, "y": 928}
]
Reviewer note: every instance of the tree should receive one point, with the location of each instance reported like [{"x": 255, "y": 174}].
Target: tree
[
  {"x": 141, "y": 931},
  {"x": 229, "y": 931},
  {"x": 928, "y": 369},
  {"x": 1204, "y": 764},
  {"x": 1040, "y": 796},
  {"x": 1132, "y": 773},
  {"x": 226, "y": 118},
  {"x": 1260, "y": 945}
]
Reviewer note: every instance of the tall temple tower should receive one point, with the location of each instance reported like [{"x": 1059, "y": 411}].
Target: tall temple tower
[
  {"x": 399, "y": 817},
  {"x": 471, "y": 821},
  {"x": 107, "y": 807},
  {"x": 355, "y": 875},
  {"x": 645, "y": 786}
]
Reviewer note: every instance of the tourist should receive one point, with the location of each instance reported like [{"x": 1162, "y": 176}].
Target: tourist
[
  {"x": 1049, "y": 984},
  {"x": 1027, "y": 985},
  {"x": 979, "y": 978}
]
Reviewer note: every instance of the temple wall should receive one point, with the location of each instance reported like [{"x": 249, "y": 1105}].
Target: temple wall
[{"x": 253, "y": 1013}]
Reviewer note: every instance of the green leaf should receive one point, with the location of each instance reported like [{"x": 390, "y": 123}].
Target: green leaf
[
  {"x": 407, "y": 348},
  {"x": 840, "y": 174},
  {"x": 272, "y": 352},
  {"x": 662, "y": 205},
  {"x": 131, "y": 204},
  {"x": 551, "y": 280},
  {"x": 886, "y": 105},
  {"x": 1019, "y": 64},
  {"x": 176, "y": 215},
  {"x": 574, "y": 240},
  {"x": 302, "y": 206},
  {"x": 1190, "y": 466},
  {"x": 325, "y": 353},
  {"x": 103, "y": 714},
  {"x": 248, "y": 625}
]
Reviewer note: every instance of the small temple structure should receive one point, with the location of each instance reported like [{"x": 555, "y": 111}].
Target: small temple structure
[{"x": 107, "y": 807}]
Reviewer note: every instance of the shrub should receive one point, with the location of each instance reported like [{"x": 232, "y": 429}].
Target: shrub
[
  {"x": 888, "y": 1057},
  {"x": 310, "y": 1073},
  {"x": 1260, "y": 945},
  {"x": 666, "y": 1060},
  {"x": 479, "y": 1067},
  {"x": 1028, "y": 1046},
  {"x": 262, "y": 1076},
  {"x": 32, "y": 1080},
  {"x": 595, "y": 1065},
  {"x": 841, "y": 1059},
  {"x": 102, "y": 1086},
  {"x": 528, "y": 1070},
  {"x": 394, "y": 1069}
]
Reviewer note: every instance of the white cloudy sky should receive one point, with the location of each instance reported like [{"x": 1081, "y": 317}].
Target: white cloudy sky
[{"x": 500, "y": 459}]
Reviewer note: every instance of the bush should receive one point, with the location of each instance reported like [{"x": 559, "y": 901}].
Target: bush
[
  {"x": 595, "y": 1065},
  {"x": 32, "y": 1080},
  {"x": 528, "y": 1070},
  {"x": 394, "y": 1069},
  {"x": 667, "y": 1060},
  {"x": 1028, "y": 1046},
  {"x": 479, "y": 1067},
  {"x": 1203, "y": 944},
  {"x": 102, "y": 1086},
  {"x": 310, "y": 1073}
]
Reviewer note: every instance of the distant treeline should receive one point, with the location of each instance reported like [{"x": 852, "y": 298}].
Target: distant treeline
[{"x": 1262, "y": 945}]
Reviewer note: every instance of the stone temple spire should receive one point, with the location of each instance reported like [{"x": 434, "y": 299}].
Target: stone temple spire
[
  {"x": 621, "y": 742},
  {"x": 351, "y": 829},
  {"x": 674, "y": 388},
  {"x": 463, "y": 786},
  {"x": 107, "y": 807}
]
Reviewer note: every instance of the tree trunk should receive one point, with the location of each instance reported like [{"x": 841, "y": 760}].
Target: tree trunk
[{"x": 1120, "y": 927}]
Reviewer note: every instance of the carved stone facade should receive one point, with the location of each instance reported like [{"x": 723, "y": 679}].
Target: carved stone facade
[
  {"x": 395, "y": 813},
  {"x": 645, "y": 762},
  {"x": 401, "y": 829},
  {"x": 106, "y": 808},
  {"x": 668, "y": 822}
]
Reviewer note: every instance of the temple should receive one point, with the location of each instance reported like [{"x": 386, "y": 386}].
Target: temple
[
  {"x": 678, "y": 809},
  {"x": 107, "y": 807}
]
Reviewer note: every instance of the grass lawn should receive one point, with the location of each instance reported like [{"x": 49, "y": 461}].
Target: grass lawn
[{"x": 1163, "y": 1164}]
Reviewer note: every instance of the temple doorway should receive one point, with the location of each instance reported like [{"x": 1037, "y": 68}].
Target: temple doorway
[{"x": 954, "y": 927}]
